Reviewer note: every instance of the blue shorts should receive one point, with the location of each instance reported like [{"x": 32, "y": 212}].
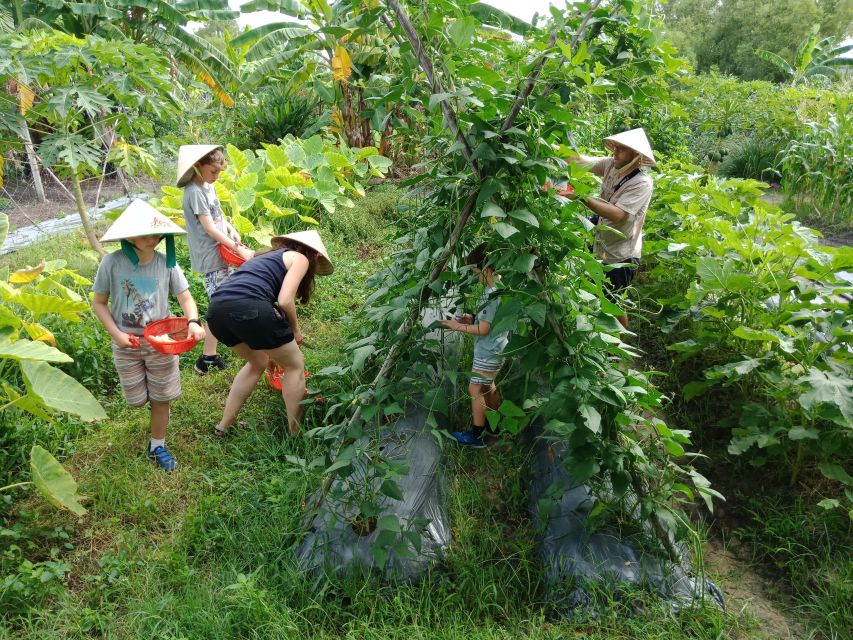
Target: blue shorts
[{"x": 250, "y": 320}]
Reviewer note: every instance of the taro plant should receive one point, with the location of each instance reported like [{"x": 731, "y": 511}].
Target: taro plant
[
  {"x": 28, "y": 380},
  {"x": 296, "y": 183},
  {"x": 758, "y": 307}
]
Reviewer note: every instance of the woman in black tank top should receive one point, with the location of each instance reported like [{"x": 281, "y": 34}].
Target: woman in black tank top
[{"x": 254, "y": 314}]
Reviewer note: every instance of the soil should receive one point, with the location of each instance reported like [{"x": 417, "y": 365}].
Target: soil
[
  {"x": 25, "y": 210},
  {"x": 746, "y": 591}
]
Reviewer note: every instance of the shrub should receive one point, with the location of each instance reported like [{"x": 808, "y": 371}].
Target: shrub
[{"x": 750, "y": 158}]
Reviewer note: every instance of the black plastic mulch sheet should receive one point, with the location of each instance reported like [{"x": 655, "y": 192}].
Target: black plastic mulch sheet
[
  {"x": 333, "y": 546},
  {"x": 584, "y": 569}
]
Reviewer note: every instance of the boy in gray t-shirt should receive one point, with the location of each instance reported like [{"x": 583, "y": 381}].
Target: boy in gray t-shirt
[
  {"x": 131, "y": 291},
  {"x": 488, "y": 352},
  {"x": 199, "y": 166}
]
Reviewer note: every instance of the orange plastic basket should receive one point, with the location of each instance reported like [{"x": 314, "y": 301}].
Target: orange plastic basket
[
  {"x": 273, "y": 375},
  {"x": 169, "y": 336},
  {"x": 230, "y": 256}
]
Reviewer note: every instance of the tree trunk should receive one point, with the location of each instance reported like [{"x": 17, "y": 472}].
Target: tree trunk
[
  {"x": 34, "y": 163},
  {"x": 84, "y": 215}
]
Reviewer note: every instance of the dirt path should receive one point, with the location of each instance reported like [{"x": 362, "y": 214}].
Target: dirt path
[{"x": 746, "y": 591}]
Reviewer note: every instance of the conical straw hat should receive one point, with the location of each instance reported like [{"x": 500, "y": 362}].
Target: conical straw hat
[
  {"x": 188, "y": 155},
  {"x": 140, "y": 219},
  {"x": 636, "y": 140},
  {"x": 310, "y": 239}
]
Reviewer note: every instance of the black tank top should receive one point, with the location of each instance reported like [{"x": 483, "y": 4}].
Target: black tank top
[{"x": 260, "y": 278}]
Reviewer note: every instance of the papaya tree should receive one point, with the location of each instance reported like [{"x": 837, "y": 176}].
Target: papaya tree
[
  {"x": 82, "y": 89},
  {"x": 29, "y": 381}
]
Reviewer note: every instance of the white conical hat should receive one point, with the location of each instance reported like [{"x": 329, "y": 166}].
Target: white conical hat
[
  {"x": 310, "y": 239},
  {"x": 636, "y": 140},
  {"x": 140, "y": 219},
  {"x": 188, "y": 155}
]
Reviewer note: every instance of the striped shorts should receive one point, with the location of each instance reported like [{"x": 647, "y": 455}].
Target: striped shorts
[
  {"x": 146, "y": 374},
  {"x": 489, "y": 366}
]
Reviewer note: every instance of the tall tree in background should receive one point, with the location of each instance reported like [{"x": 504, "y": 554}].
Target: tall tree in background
[{"x": 724, "y": 34}]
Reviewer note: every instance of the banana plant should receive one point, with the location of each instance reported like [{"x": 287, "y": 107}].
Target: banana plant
[{"x": 816, "y": 59}]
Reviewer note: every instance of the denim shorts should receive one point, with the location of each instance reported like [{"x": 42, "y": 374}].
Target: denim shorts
[{"x": 250, "y": 320}]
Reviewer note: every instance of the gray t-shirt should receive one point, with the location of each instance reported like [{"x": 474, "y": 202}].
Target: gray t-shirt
[
  {"x": 138, "y": 296},
  {"x": 204, "y": 250},
  {"x": 489, "y": 346},
  {"x": 633, "y": 198}
]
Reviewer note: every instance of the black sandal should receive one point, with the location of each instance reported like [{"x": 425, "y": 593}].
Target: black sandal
[{"x": 220, "y": 431}]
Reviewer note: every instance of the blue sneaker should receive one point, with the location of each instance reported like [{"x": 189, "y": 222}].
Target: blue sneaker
[
  {"x": 163, "y": 458},
  {"x": 468, "y": 439}
]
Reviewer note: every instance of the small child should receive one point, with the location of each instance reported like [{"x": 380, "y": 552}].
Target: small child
[
  {"x": 488, "y": 353},
  {"x": 131, "y": 290},
  {"x": 199, "y": 166}
]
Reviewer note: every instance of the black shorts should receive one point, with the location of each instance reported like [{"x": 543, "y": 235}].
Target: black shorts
[
  {"x": 256, "y": 322},
  {"x": 619, "y": 279}
]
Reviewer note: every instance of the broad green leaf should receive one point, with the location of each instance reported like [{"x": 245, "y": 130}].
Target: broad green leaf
[
  {"x": 59, "y": 391},
  {"x": 591, "y": 417},
  {"x": 237, "y": 158},
  {"x": 391, "y": 489},
  {"x": 40, "y": 305},
  {"x": 491, "y": 210},
  {"x": 360, "y": 355},
  {"x": 525, "y": 216},
  {"x": 244, "y": 199},
  {"x": 755, "y": 335},
  {"x": 54, "y": 482},
  {"x": 389, "y": 523},
  {"x": 825, "y": 387},
  {"x": 505, "y": 230},
  {"x": 537, "y": 312},
  {"x": 835, "y": 472},
  {"x": 29, "y": 350}
]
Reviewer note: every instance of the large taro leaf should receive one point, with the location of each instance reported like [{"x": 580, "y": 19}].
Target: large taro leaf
[
  {"x": 61, "y": 392},
  {"x": 40, "y": 305},
  {"x": 54, "y": 482},
  {"x": 29, "y": 350}
]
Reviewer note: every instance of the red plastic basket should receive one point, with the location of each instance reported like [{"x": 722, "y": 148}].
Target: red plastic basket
[
  {"x": 175, "y": 331},
  {"x": 230, "y": 256},
  {"x": 273, "y": 375}
]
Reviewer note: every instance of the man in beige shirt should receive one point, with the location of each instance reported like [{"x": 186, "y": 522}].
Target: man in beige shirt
[{"x": 621, "y": 206}]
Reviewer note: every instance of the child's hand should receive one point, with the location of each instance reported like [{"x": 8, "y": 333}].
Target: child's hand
[
  {"x": 245, "y": 252},
  {"x": 196, "y": 332},
  {"x": 297, "y": 337},
  {"x": 452, "y": 325},
  {"x": 127, "y": 341}
]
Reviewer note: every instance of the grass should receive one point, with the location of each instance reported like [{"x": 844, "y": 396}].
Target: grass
[{"x": 207, "y": 552}]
